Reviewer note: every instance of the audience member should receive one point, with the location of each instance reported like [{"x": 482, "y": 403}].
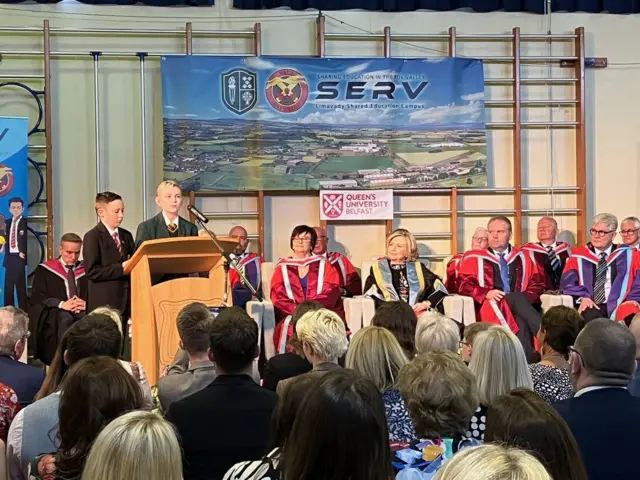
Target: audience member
[
  {"x": 24, "y": 379},
  {"x": 135, "y": 446},
  {"x": 96, "y": 391},
  {"x": 323, "y": 338},
  {"x": 9, "y": 407},
  {"x": 559, "y": 328},
  {"x": 522, "y": 419},
  {"x": 441, "y": 396},
  {"x": 436, "y": 332},
  {"x": 602, "y": 415},
  {"x": 292, "y": 362},
  {"x": 493, "y": 462},
  {"x": 470, "y": 333},
  {"x": 400, "y": 319},
  {"x": 228, "y": 421},
  {"x": 191, "y": 370},
  {"x": 375, "y": 353},
  {"x": 499, "y": 365},
  {"x": 634, "y": 328}
]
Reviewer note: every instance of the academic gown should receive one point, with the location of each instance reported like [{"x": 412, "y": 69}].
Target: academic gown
[
  {"x": 288, "y": 290},
  {"x": 250, "y": 264},
  {"x": 452, "y": 273},
  {"x": 579, "y": 276},
  {"x": 541, "y": 258},
  {"x": 49, "y": 288},
  {"x": 350, "y": 281}
]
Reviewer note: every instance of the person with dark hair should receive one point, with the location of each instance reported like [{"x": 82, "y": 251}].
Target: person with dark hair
[
  {"x": 228, "y": 421},
  {"x": 301, "y": 277},
  {"x": 523, "y": 420},
  {"x": 291, "y": 362},
  {"x": 58, "y": 297},
  {"x": 15, "y": 255},
  {"x": 191, "y": 370},
  {"x": 469, "y": 335},
  {"x": 400, "y": 319},
  {"x": 602, "y": 411},
  {"x": 106, "y": 249},
  {"x": 559, "y": 329},
  {"x": 112, "y": 392}
]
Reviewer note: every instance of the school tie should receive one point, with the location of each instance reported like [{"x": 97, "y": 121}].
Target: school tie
[
  {"x": 553, "y": 259},
  {"x": 71, "y": 281},
  {"x": 117, "y": 240},
  {"x": 13, "y": 244},
  {"x": 601, "y": 278},
  {"x": 504, "y": 274},
  {"x": 172, "y": 227}
]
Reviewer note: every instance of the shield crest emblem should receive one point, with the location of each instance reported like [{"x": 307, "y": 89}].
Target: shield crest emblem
[{"x": 239, "y": 92}]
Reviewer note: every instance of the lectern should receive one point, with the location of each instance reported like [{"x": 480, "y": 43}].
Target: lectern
[{"x": 154, "y": 308}]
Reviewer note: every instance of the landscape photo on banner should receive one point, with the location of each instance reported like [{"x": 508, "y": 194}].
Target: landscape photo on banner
[
  {"x": 273, "y": 123},
  {"x": 14, "y": 133}
]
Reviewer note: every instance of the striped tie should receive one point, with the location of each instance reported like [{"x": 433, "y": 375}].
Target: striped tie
[
  {"x": 553, "y": 259},
  {"x": 601, "y": 277}
]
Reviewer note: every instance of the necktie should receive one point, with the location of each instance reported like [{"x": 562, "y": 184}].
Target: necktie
[
  {"x": 553, "y": 258},
  {"x": 172, "y": 227},
  {"x": 601, "y": 278},
  {"x": 71, "y": 281},
  {"x": 504, "y": 274},
  {"x": 14, "y": 227},
  {"x": 117, "y": 240}
]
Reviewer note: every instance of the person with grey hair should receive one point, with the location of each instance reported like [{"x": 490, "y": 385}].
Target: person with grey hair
[
  {"x": 600, "y": 276},
  {"x": 630, "y": 232},
  {"x": 436, "y": 332},
  {"x": 602, "y": 414},
  {"x": 24, "y": 379},
  {"x": 479, "y": 241}
]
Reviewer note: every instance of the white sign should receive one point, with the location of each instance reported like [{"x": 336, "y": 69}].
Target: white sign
[{"x": 356, "y": 204}]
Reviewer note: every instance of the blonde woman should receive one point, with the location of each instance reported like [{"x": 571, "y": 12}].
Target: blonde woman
[
  {"x": 499, "y": 365},
  {"x": 434, "y": 331},
  {"x": 375, "y": 353},
  {"x": 493, "y": 462},
  {"x": 401, "y": 276},
  {"x": 135, "y": 446}
]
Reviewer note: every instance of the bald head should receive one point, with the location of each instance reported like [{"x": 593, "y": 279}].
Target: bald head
[
  {"x": 322, "y": 241},
  {"x": 480, "y": 239},
  {"x": 240, "y": 233},
  {"x": 14, "y": 325},
  {"x": 547, "y": 230},
  {"x": 634, "y": 328}
]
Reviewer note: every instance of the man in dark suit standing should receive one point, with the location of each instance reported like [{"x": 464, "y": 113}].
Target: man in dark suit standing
[
  {"x": 228, "y": 421},
  {"x": 602, "y": 415},
  {"x": 15, "y": 255}
]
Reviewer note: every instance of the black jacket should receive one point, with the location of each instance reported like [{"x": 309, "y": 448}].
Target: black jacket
[{"x": 156, "y": 227}]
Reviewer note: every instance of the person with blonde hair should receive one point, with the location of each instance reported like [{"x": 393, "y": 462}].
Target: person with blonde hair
[
  {"x": 401, "y": 276},
  {"x": 136, "y": 446},
  {"x": 436, "y": 332},
  {"x": 499, "y": 365},
  {"x": 493, "y": 462},
  {"x": 375, "y": 353}
]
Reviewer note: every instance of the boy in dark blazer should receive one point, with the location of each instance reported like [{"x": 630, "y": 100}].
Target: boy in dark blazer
[{"x": 15, "y": 255}]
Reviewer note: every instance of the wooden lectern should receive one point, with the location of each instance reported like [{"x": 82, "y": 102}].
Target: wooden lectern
[{"x": 154, "y": 309}]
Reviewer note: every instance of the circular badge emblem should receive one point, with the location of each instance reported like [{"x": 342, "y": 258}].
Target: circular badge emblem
[
  {"x": 6, "y": 180},
  {"x": 287, "y": 90}
]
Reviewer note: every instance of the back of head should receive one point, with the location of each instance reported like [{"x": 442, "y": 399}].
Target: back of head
[
  {"x": 135, "y": 446},
  {"x": 472, "y": 331},
  {"x": 561, "y": 326},
  {"x": 233, "y": 339},
  {"x": 436, "y": 332},
  {"x": 493, "y": 462},
  {"x": 608, "y": 351},
  {"x": 499, "y": 364},
  {"x": 440, "y": 394},
  {"x": 293, "y": 343},
  {"x": 14, "y": 327},
  {"x": 400, "y": 319},
  {"x": 342, "y": 434},
  {"x": 194, "y": 322},
  {"x": 375, "y": 353},
  {"x": 112, "y": 313},
  {"x": 324, "y": 332},
  {"x": 96, "y": 390},
  {"x": 521, "y": 419}
]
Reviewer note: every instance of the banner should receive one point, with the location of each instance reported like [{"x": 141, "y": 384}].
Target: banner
[
  {"x": 356, "y": 205},
  {"x": 272, "y": 123},
  {"x": 13, "y": 210}
]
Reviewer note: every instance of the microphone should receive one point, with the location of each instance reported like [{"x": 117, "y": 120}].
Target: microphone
[{"x": 193, "y": 210}]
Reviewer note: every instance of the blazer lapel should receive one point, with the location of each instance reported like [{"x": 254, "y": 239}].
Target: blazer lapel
[
  {"x": 182, "y": 227},
  {"x": 108, "y": 239},
  {"x": 160, "y": 227}
]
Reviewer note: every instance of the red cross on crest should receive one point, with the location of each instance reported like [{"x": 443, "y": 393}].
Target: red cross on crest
[{"x": 333, "y": 205}]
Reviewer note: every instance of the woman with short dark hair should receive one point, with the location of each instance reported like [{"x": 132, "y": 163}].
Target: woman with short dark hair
[{"x": 400, "y": 319}]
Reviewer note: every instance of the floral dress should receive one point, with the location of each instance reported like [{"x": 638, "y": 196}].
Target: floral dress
[
  {"x": 398, "y": 421},
  {"x": 9, "y": 407},
  {"x": 43, "y": 467}
]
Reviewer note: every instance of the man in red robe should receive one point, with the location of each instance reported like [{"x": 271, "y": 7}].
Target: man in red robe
[
  {"x": 504, "y": 282},
  {"x": 350, "y": 282},
  {"x": 249, "y": 263},
  {"x": 479, "y": 241}
]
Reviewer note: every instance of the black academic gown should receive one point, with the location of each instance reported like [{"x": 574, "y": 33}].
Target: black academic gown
[
  {"x": 49, "y": 322},
  {"x": 156, "y": 227}
]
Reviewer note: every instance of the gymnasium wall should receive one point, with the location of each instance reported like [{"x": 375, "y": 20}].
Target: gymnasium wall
[{"x": 613, "y": 147}]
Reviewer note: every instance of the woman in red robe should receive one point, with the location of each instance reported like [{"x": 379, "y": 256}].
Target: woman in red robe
[{"x": 303, "y": 277}]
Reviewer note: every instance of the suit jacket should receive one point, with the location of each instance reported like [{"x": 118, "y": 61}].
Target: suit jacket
[
  {"x": 25, "y": 379},
  {"x": 323, "y": 367},
  {"x": 107, "y": 285},
  {"x": 21, "y": 238},
  {"x": 223, "y": 424},
  {"x": 156, "y": 227},
  {"x": 605, "y": 424},
  {"x": 283, "y": 366}
]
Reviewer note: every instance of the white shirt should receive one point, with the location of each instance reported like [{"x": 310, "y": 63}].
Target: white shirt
[
  {"x": 111, "y": 232},
  {"x": 594, "y": 388},
  {"x": 607, "y": 282},
  {"x": 14, "y": 231},
  {"x": 552, "y": 245},
  {"x": 167, "y": 221}
]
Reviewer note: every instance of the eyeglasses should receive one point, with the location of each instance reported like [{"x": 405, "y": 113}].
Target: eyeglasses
[
  {"x": 600, "y": 233},
  {"x": 573, "y": 350},
  {"x": 464, "y": 344},
  {"x": 301, "y": 239},
  {"x": 480, "y": 239},
  {"x": 628, "y": 232}
]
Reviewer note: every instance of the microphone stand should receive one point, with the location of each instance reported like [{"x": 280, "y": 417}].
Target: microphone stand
[{"x": 230, "y": 262}]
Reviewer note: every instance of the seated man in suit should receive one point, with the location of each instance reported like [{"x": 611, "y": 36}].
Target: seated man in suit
[
  {"x": 630, "y": 232},
  {"x": 350, "y": 282},
  {"x": 602, "y": 276},
  {"x": 249, "y": 263},
  {"x": 479, "y": 241},
  {"x": 229, "y": 420},
  {"x": 549, "y": 254},
  {"x": 602, "y": 415},
  {"x": 192, "y": 370},
  {"x": 24, "y": 379},
  {"x": 58, "y": 296},
  {"x": 504, "y": 283}
]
